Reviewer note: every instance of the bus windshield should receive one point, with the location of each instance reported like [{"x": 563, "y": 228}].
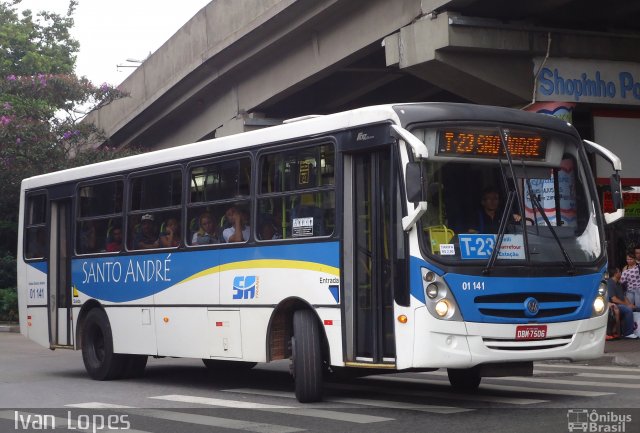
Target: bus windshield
[{"x": 532, "y": 198}]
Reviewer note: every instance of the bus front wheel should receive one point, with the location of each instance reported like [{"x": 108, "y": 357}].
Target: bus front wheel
[
  {"x": 464, "y": 379},
  {"x": 306, "y": 357},
  {"x": 97, "y": 348}
]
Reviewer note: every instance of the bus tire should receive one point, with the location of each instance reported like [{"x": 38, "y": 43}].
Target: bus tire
[
  {"x": 306, "y": 357},
  {"x": 464, "y": 379},
  {"x": 97, "y": 348},
  {"x": 221, "y": 365},
  {"x": 134, "y": 366}
]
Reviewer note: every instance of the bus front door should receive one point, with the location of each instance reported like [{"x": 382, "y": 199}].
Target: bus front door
[
  {"x": 59, "y": 304},
  {"x": 369, "y": 247}
]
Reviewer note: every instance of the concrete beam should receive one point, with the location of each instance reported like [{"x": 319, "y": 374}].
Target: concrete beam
[
  {"x": 267, "y": 51},
  {"x": 486, "y": 61}
]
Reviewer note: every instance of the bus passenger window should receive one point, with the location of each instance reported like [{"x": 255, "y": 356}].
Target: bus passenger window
[
  {"x": 218, "y": 209},
  {"x": 36, "y": 234},
  {"x": 297, "y": 197},
  {"x": 99, "y": 214},
  {"x": 155, "y": 213}
]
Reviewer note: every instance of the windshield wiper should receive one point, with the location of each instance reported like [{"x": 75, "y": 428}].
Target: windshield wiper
[
  {"x": 511, "y": 195},
  {"x": 534, "y": 200}
]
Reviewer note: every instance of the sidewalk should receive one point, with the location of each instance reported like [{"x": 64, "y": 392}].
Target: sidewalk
[
  {"x": 623, "y": 352},
  {"x": 9, "y": 327}
]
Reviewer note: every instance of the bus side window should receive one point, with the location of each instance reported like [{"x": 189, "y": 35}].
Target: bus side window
[
  {"x": 155, "y": 209},
  {"x": 99, "y": 212},
  {"x": 297, "y": 193},
  {"x": 220, "y": 193},
  {"x": 36, "y": 234}
]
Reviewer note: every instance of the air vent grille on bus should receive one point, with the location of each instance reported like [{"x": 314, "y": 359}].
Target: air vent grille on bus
[{"x": 514, "y": 305}]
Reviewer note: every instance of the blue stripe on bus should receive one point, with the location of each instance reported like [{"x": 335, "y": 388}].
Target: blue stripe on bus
[
  {"x": 583, "y": 287},
  {"x": 41, "y": 266},
  {"x": 127, "y": 278}
]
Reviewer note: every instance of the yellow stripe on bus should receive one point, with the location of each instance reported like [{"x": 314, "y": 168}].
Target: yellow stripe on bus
[{"x": 266, "y": 264}]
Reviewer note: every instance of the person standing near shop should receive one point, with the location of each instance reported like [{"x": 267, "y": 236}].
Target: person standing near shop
[
  {"x": 630, "y": 280},
  {"x": 616, "y": 296}
]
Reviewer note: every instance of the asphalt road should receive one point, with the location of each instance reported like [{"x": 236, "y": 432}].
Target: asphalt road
[{"x": 43, "y": 389}]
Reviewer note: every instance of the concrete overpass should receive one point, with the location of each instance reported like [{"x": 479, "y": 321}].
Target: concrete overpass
[{"x": 243, "y": 64}]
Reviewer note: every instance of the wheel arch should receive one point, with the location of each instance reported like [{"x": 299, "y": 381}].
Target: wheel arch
[
  {"x": 280, "y": 329},
  {"x": 84, "y": 311}
]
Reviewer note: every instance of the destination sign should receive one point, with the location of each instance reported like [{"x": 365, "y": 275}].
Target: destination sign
[{"x": 487, "y": 144}]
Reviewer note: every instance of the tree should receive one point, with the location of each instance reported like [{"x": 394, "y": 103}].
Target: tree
[{"x": 41, "y": 104}]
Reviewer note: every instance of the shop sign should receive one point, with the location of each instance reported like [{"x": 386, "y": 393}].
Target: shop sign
[
  {"x": 575, "y": 80},
  {"x": 631, "y": 202}
]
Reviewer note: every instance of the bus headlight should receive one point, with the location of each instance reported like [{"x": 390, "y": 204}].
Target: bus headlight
[
  {"x": 602, "y": 289},
  {"x": 442, "y": 308},
  {"x": 432, "y": 291},
  {"x": 600, "y": 303},
  {"x": 438, "y": 298}
]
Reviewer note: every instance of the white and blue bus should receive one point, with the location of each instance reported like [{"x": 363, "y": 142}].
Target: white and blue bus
[{"x": 346, "y": 242}]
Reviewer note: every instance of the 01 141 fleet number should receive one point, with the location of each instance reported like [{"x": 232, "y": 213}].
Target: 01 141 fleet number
[{"x": 473, "y": 285}]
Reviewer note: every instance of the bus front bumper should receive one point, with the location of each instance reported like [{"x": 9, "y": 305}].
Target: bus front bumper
[{"x": 442, "y": 344}]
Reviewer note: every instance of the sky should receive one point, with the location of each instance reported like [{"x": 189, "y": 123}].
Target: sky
[{"x": 112, "y": 31}]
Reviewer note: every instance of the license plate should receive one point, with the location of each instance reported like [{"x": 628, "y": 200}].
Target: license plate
[{"x": 531, "y": 332}]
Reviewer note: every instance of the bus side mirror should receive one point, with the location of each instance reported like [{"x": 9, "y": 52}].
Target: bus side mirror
[
  {"x": 414, "y": 182},
  {"x": 616, "y": 191},
  {"x": 616, "y": 198}
]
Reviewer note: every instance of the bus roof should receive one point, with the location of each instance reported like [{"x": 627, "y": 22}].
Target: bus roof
[
  {"x": 403, "y": 114},
  {"x": 304, "y": 128}
]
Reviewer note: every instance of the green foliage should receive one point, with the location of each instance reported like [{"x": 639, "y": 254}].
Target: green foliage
[
  {"x": 40, "y": 44},
  {"x": 9, "y": 305},
  {"x": 7, "y": 269},
  {"x": 42, "y": 103}
]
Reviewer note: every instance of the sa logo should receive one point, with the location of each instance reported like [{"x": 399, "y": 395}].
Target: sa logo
[{"x": 244, "y": 287}]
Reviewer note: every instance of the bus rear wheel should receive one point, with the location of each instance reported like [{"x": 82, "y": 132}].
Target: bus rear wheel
[
  {"x": 306, "y": 357},
  {"x": 97, "y": 348},
  {"x": 464, "y": 379}
]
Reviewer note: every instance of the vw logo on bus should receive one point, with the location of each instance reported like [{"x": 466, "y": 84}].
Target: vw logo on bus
[{"x": 531, "y": 307}]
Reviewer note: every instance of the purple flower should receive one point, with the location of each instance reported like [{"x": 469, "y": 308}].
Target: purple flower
[
  {"x": 104, "y": 87},
  {"x": 18, "y": 140},
  {"x": 11, "y": 78},
  {"x": 5, "y": 120},
  {"x": 7, "y": 106},
  {"x": 67, "y": 135},
  {"x": 43, "y": 79}
]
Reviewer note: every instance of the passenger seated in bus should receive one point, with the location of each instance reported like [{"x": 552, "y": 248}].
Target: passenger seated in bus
[
  {"x": 487, "y": 219},
  {"x": 88, "y": 239},
  {"x": 146, "y": 237},
  {"x": 267, "y": 230},
  {"x": 170, "y": 237},
  {"x": 206, "y": 233},
  {"x": 239, "y": 230},
  {"x": 114, "y": 242}
]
